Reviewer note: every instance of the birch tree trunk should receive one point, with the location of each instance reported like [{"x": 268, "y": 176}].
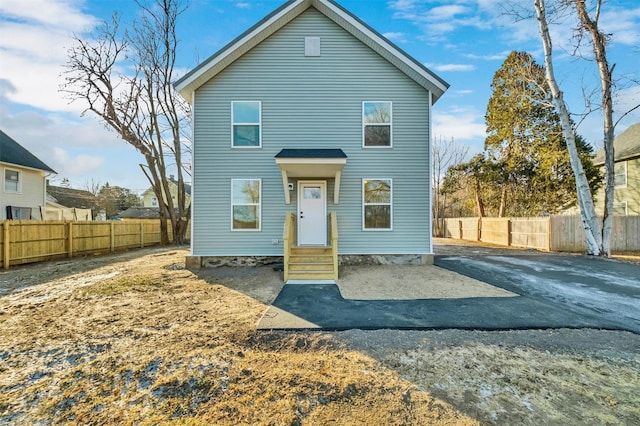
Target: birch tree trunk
[
  {"x": 590, "y": 223},
  {"x": 599, "y": 41}
]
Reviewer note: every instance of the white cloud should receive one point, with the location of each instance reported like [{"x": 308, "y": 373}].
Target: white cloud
[
  {"x": 243, "y": 5},
  {"x": 33, "y": 36},
  {"x": 462, "y": 124},
  {"x": 50, "y": 13},
  {"x": 80, "y": 165},
  {"x": 624, "y": 24},
  {"x": 452, "y": 67},
  {"x": 489, "y": 57},
  {"x": 395, "y": 36}
]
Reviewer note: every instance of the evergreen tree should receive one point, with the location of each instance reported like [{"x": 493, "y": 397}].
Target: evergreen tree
[{"x": 525, "y": 142}]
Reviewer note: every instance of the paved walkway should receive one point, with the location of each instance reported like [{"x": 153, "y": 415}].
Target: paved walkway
[{"x": 543, "y": 302}]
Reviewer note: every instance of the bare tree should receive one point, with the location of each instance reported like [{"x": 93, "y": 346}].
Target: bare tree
[
  {"x": 597, "y": 238},
  {"x": 93, "y": 186},
  {"x": 141, "y": 106},
  {"x": 445, "y": 153}
]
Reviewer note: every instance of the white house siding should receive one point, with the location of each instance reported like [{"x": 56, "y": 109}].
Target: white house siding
[
  {"x": 311, "y": 102},
  {"x": 31, "y": 194}
]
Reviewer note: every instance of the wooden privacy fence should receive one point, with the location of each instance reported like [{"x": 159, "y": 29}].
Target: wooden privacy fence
[
  {"x": 552, "y": 233},
  {"x": 28, "y": 241}
]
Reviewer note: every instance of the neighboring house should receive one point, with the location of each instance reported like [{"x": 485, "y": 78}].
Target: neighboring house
[
  {"x": 59, "y": 206},
  {"x": 626, "y": 195},
  {"x": 23, "y": 181},
  {"x": 69, "y": 203},
  {"x": 149, "y": 198},
  {"x": 311, "y": 115}
]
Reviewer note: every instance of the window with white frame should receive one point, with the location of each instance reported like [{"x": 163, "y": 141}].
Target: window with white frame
[
  {"x": 620, "y": 174},
  {"x": 246, "y": 120},
  {"x": 12, "y": 181},
  {"x": 246, "y": 204},
  {"x": 376, "y": 124},
  {"x": 620, "y": 208},
  {"x": 376, "y": 204}
]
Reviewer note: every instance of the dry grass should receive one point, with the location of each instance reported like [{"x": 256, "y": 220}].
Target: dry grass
[
  {"x": 136, "y": 339},
  {"x": 145, "y": 342}
]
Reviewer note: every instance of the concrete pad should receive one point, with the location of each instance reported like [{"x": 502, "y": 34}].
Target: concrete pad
[{"x": 407, "y": 282}]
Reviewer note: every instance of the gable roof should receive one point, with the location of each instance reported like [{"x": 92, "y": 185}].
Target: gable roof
[
  {"x": 285, "y": 14},
  {"x": 625, "y": 146},
  {"x": 11, "y": 152},
  {"x": 69, "y": 197}
]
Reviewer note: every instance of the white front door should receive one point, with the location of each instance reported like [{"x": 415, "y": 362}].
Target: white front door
[{"x": 312, "y": 213}]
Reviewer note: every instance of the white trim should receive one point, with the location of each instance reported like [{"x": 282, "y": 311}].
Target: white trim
[
  {"x": 621, "y": 203},
  {"x": 323, "y": 185},
  {"x": 390, "y": 204},
  {"x": 314, "y": 168},
  {"x": 259, "y": 205},
  {"x": 259, "y": 124},
  {"x": 4, "y": 180},
  {"x": 430, "y": 175},
  {"x": 193, "y": 180},
  {"x": 626, "y": 175},
  {"x": 390, "y": 124}
]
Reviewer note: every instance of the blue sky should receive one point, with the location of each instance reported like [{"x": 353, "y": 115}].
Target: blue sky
[{"x": 463, "y": 41}]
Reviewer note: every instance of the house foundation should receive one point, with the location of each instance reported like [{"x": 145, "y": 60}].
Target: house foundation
[{"x": 197, "y": 262}]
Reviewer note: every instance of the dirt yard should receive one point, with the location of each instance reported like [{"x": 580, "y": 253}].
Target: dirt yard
[{"x": 134, "y": 338}]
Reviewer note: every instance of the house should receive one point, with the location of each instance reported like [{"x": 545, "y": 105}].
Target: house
[
  {"x": 311, "y": 143},
  {"x": 149, "y": 198},
  {"x": 23, "y": 181},
  {"x": 626, "y": 195},
  {"x": 64, "y": 203}
]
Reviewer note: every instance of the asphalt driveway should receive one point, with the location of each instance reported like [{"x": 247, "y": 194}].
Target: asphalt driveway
[
  {"x": 554, "y": 291},
  {"x": 601, "y": 289}
]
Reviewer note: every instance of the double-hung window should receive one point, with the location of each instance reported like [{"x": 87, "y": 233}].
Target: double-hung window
[
  {"x": 246, "y": 120},
  {"x": 620, "y": 174},
  {"x": 376, "y": 124},
  {"x": 12, "y": 181},
  {"x": 246, "y": 203},
  {"x": 376, "y": 204}
]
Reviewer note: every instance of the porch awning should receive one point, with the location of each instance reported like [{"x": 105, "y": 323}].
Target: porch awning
[{"x": 311, "y": 163}]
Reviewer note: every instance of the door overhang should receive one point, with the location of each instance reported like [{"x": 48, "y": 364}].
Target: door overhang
[{"x": 311, "y": 163}]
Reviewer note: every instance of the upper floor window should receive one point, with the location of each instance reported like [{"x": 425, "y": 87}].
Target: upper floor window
[
  {"x": 376, "y": 124},
  {"x": 376, "y": 204},
  {"x": 246, "y": 119},
  {"x": 12, "y": 181},
  {"x": 620, "y": 177},
  {"x": 246, "y": 196}
]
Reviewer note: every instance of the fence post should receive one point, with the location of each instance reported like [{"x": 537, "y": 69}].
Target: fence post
[
  {"x": 113, "y": 237},
  {"x": 7, "y": 250},
  {"x": 70, "y": 239},
  {"x": 508, "y": 232},
  {"x": 459, "y": 229},
  {"x": 548, "y": 242},
  {"x": 141, "y": 234}
]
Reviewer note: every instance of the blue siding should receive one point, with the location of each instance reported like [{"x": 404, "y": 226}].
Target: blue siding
[{"x": 311, "y": 102}]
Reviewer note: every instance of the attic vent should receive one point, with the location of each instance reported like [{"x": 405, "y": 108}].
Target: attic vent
[{"x": 312, "y": 46}]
